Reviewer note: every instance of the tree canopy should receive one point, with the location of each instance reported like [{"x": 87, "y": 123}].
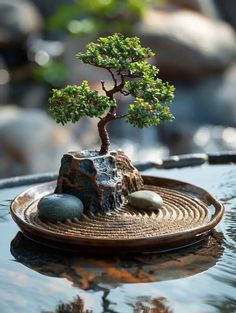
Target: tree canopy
[{"x": 127, "y": 62}]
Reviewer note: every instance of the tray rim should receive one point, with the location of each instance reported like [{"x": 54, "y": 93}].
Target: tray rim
[{"x": 142, "y": 242}]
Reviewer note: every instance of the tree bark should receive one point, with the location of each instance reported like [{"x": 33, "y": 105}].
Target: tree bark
[{"x": 103, "y": 134}]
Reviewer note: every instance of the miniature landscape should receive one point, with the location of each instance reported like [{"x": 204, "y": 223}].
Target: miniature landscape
[
  {"x": 39, "y": 279},
  {"x": 200, "y": 62},
  {"x": 103, "y": 179},
  {"x": 101, "y": 200},
  {"x": 127, "y": 202}
]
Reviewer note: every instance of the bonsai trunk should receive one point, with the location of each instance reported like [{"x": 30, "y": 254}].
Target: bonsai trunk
[
  {"x": 103, "y": 133},
  {"x": 111, "y": 115}
]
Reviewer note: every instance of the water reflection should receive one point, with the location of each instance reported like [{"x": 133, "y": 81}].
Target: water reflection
[
  {"x": 90, "y": 272},
  {"x": 143, "y": 305},
  {"x": 76, "y": 306},
  {"x": 226, "y": 304},
  {"x": 156, "y": 305},
  {"x": 199, "y": 279}
]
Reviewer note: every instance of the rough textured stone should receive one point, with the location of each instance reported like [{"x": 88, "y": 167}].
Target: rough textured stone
[
  {"x": 56, "y": 207},
  {"x": 101, "y": 182},
  {"x": 188, "y": 44},
  {"x": 145, "y": 199}
]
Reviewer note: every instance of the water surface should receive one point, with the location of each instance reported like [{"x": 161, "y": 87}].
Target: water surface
[{"x": 198, "y": 279}]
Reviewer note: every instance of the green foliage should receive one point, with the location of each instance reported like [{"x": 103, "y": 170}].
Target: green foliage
[
  {"x": 143, "y": 114},
  {"x": 124, "y": 55},
  {"x": 152, "y": 99},
  {"x": 132, "y": 74},
  {"x": 73, "y": 102},
  {"x": 91, "y": 16}
]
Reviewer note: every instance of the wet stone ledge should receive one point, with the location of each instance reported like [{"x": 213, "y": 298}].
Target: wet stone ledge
[
  {"x": 222, "y": 158},
  {"x": 193, "y": 159},
  {"x": 178, "y": 161}
]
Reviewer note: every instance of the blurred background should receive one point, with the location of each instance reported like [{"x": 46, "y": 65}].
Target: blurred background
[{"x": 195, "y": 47}]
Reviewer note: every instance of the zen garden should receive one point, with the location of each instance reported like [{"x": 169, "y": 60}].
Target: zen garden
[{"x": 95, "y": 224}]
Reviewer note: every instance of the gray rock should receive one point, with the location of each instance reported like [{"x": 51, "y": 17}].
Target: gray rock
[
  {"x": 208, "y": 101},
  {"x": 28, "y": 93},
  {"x": 18, "y": 19},
  {"x": 187, "y": 43},
  {"x": 4, "y": 82},
  {"x": 224, "y": 157},
  {"x": 227, "y": 10},
  {"x": 206, "y": 138},
  {"x": 178, "y": 161},
  {"x": 59, "y": 207},
  {"x": 133, "y": 140},
  {"x": 208, "y": 7},
  {"x": 202, "y": 109},
  {"x": 145, "y": 199},
  {"x": 31, "y": 142},
  {"x": 48, "y": 8},
  {"x": 147, "y": 165},
  {"x": 86, "y": 132},
  {"x": 102, "y": 182}
]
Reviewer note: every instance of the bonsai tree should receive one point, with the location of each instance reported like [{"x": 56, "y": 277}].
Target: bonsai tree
[{"x": 127, "y": 62}]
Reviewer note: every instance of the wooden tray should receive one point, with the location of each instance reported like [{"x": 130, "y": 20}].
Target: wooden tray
[{"x": 189, "y": 213}]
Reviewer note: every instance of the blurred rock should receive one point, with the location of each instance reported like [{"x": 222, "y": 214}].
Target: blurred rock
[
  {"x": 187, "y": 4},
  {"x": 31, "y": 142},
  {"x": 78, "y": 70},
  {"x": 205, "y": 138},
  {"x": 179, "y": 161},
  {"x": 206, "y": 7},
  {"x": 86, "y": 132},
  {"x": 212, "y": 138},
  {"x": 227, "y": 10},
  {"x": 18, "y": 19},
  {"x": 121, "y": 130},
  {"x": 49, "y": 7},
  {"x": 211, "y": 100},
  {"x": 224, "y": 157},
  {"x": 4, "y": 82},
  {"x": 142, "y": 153},
  {"x": 28, "y": 93},
  {"x": 188, "y": 44}
]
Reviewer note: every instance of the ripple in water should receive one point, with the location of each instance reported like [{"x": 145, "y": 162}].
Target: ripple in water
[{"x": 198, "y": 279}]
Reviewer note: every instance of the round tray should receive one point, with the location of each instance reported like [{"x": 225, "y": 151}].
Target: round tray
[{"x": 189, "y": 213}]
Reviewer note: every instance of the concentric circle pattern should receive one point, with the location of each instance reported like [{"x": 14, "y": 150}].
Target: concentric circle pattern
[{"x": 180, "y": 212}]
